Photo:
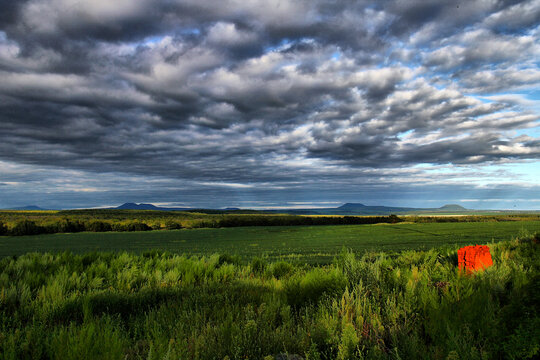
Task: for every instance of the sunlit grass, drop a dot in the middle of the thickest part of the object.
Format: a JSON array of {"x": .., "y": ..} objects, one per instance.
[
  {"x": 304, "y": 243},
  {"x": 374, "y": 305}
]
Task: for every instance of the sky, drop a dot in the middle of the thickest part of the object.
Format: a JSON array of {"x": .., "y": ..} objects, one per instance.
[{"x": 270, "y": 103}]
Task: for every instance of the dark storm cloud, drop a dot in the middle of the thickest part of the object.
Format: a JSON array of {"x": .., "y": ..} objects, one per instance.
[
  {"x": 54, "y": 21},
  {"x": 264, "y": 92}
]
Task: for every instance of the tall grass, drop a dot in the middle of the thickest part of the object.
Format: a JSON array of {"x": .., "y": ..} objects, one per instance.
[{"x": 158, "y": 305}]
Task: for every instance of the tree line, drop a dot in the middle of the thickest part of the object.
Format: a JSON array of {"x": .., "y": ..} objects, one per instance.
[
  {"x": 33, "y": 223},
  {"x": 72, "y": 225},
  {"x": 29, "y": 227}
]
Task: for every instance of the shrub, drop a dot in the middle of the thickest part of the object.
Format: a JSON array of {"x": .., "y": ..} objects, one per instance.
[
  {"x": 228, "y": 259},
  {"x": 172, "y": 225},
  {"x": 3, "y": 229},
  {"x": 394, "y": 219},
  {"x": 98, "y": 226},
  {"x": 69, "y": 226},
  {"x": 258, "y": 265},
  {"x": 99, "y": 339},
  {"x": 26, "y": 227},
  {"x": 138, "y": 226},
  {"x": 309, "y": 288},
  {"x": 131, "y": 226},
  {"x": 281, "y": 269}
]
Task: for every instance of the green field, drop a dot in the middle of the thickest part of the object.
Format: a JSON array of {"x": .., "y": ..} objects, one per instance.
[
  {"x": 384, "y": 291},
  {"x": 155, "y": 306},
  {"x": 308, "y": 243}
]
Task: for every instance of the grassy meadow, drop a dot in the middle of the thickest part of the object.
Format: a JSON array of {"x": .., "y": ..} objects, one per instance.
[
  {"x": 370, "y": 305},
  {"x": 298, "y": 243},
  {"x": 373, "y": 291}
]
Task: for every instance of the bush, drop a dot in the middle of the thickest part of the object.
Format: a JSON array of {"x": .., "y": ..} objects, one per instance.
[
  {"x": 258, "y": 265},
  {"x": 172, "y": 225},
  {"x": 99, "y": 339},
  {"x": 98, "y": 226},
  {"x": 26, "y": 227},
  {"x": 309, "y": 288},
  {"x": 281, "y": 269},
  {"x": 138, "y": 226},
  {"x": 3, "y": 229},
  {"x": 69, "y": 226},
  {"x": 228, "y": 259},
  {"x": 131, "y": 226}
]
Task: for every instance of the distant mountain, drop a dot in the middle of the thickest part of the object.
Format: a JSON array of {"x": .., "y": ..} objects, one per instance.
[
  {"x": 351, "y": 206},
  {"x": 452, "y": 207},
  {"x": 345, "y": 209},
  {"x": 361, "y": 209},
  {"x": 375, "y": 210},
  {"x": 142, "y": 206},
  {"x": 28, "y": 207},
  {"x": 133, "y": 206}
]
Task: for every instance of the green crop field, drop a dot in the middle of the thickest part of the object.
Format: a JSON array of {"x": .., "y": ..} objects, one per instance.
[{"x": 305, "y": 243}]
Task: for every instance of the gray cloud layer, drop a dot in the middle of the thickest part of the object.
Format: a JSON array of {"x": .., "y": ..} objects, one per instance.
[{"x": 266, "y": 92}]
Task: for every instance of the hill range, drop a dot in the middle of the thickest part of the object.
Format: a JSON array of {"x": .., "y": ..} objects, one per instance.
[{"x": 345, "y": 209}]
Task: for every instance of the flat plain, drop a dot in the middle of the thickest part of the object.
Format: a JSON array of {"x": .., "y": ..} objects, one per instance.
[
  {"x": 381, "y": 291},
  {"x": 312, "y": 244}
]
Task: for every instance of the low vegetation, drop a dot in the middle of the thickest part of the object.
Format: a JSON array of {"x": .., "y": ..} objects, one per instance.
[
  {"x": 313, "y": 244},
  {"x": 19, "y": 223},
  {"x": 158, "y": 305}
]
